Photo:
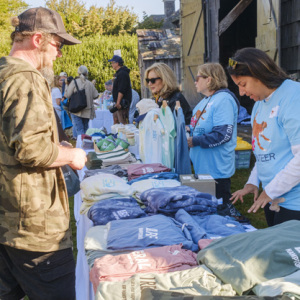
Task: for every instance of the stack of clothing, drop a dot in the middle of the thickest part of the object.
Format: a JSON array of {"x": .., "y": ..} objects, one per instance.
[
  {"x": 100, "y": 187},
  {"x": 111, "y": 209},
  {"x": 114, "y": 170},
  {"x": 169, "y": 200},
  {"x": 117, "y": 156},
  {"x": 135, "y": 171},
  {"x": 93, "y": 162},
  {"x": 153, "y": 260}
]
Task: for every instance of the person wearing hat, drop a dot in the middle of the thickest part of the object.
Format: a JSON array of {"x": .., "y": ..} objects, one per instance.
[
  {"x": 122, "y": 93},
  {"x": 81, "y": 119},
  {"x": 35, "y": 237}
]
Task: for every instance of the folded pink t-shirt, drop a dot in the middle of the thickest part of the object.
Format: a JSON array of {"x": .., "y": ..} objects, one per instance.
[{"x": 151, "y": 260}]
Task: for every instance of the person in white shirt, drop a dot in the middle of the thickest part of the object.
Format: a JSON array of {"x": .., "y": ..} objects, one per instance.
[{"x": 56, "y": 95}]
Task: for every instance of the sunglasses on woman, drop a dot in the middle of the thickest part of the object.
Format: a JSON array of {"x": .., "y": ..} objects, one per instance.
[{"x": 152, "y": 80}]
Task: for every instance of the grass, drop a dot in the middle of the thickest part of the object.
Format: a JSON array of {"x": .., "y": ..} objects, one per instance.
[{"x": 238, "y": 181}]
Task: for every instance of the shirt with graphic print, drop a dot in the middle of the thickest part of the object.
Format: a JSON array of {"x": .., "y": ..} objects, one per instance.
[
  {"x": 275, "y": 128},
  {"x": 219, "y": 160}
]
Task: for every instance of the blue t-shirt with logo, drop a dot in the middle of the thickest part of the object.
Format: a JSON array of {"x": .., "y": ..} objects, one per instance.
[
  {"x": 275, "y": 128},
  {"x": 218, "y": 161}
]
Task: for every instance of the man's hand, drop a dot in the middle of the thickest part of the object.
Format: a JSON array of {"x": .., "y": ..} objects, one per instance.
[
  {"x": 79, "y": 159},
  {"x": 118, "y": 106}
]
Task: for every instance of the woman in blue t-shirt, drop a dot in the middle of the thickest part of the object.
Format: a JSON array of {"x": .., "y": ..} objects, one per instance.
[
  {"x": 275, "y": 135},
  {"x": 214, "y": 128}
]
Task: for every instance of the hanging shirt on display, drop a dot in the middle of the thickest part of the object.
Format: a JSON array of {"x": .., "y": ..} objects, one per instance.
[
  {"x": 166, "y": 116},
  {"x": 154, "y": 132},
  {"x": 182, "y": 162}
]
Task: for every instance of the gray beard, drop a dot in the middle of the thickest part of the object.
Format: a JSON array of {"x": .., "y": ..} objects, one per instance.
[{"x": 48, "y": 74}]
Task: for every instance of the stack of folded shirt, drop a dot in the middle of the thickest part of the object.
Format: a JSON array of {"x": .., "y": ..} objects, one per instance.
[
  {"x": 114, "y": 170},
  {"x": 157, "y": 260},
  {"x": 93, "y": 162},
  {"x": 117, "y": 156},
  {"x": 169, "y": 200},
  {"x": 138, "y": 170},
  {"x": 100, "y": 187},
  {"x": 111, "y": 209}
]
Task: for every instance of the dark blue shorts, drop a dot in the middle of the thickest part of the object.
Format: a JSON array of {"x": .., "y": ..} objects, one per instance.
[{"x": 39, "y": 275}]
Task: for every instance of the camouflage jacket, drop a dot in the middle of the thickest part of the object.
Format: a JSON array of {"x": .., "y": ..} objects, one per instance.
[{"x": 34, "y": 208}]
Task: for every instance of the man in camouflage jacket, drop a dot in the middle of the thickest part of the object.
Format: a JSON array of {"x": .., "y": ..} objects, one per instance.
[{"x": 35, "y": 237}]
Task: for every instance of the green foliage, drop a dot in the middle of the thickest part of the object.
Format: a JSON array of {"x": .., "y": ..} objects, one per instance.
[
  {"x": 94, "y": 53},
  {"x": 149, "y": 23},
  {"x": 83, "y": 22},
  {"x": 8, "y": 9}
]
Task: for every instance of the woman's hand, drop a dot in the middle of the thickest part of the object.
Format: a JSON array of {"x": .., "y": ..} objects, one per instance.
[
  {"x": 248, "y": 189},
  {"x": 261, "y": 202},
  {"x": 187, "y": 128},
  {"x": 190, "y": 142}
]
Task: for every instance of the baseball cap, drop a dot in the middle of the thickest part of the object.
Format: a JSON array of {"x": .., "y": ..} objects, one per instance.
[
  {"x": 143, "y": 107},
  {"x": 47, "y": 20},
  {"x": 117, "y": 59},
  {"x": 63, "y": 74}
]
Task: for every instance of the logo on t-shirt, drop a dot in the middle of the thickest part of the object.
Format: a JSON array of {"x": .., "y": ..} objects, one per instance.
[
  {"x": 274, "y": 112},
  {"x": 257, "y": 132},
  {"x": 294, "y": 256}
]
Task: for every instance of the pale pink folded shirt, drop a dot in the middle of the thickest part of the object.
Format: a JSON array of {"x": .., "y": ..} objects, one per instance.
[{"x": 151, "y": 260}]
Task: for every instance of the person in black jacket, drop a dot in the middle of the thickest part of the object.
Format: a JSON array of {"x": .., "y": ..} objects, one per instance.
[
  {"x": 162, "y": 82},
  {"x": 122, "y": 93}
]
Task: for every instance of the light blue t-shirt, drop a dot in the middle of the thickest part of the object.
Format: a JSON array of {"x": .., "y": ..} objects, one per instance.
[
  {"x": 275, "y": 128},
  {"x": 217, "y": 161}
]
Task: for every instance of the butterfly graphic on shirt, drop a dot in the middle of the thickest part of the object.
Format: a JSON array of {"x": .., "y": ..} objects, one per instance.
[{"x": 257, "y": 132}]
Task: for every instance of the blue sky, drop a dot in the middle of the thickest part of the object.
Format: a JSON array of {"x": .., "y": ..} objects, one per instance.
[{"x": 149, "y": 6}]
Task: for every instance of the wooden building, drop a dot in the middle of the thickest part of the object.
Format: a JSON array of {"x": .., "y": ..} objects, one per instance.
[
  {"x": 158, "y": 45},
  {"x": 212, "y": 30}
]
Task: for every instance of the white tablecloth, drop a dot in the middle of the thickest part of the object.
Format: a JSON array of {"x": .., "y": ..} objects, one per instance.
[
  {"x": 103, "y": 118},
  {"x": 84, "y": 289}
]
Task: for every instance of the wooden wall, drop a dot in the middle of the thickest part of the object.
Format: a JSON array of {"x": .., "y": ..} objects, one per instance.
[
  {"x": 173, "y": 63},
  {"x": 193, "y": 45},
  {"x": 268, "y": 38},
  {"x": 290, "y": 36}
]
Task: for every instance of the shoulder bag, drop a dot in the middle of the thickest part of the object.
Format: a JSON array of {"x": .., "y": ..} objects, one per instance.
[{"x": 77, "y": 101}]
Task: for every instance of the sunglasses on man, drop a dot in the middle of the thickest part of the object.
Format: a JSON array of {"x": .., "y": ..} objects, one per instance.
[
  {"x": 58, "y": 45},
  {"x": 152, "y": 80}
]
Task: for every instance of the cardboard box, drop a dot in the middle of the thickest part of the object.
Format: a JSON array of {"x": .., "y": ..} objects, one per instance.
[{"x": 201, "y": 182}]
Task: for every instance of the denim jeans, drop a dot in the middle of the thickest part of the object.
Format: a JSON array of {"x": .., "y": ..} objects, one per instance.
[{"x": 81, "y": 125}]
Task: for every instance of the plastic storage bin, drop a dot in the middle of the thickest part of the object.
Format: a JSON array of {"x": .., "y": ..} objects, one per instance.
[{"x": 242, "y": 159}]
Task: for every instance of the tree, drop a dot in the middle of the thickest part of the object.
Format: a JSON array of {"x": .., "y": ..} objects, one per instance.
[
  {"x": 149, "y": 23},
  {"x": 81, "y": 22},
  {"x": 8, "y": 9}
]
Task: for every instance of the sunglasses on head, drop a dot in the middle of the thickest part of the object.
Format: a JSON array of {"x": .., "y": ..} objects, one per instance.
[
  {"x": 152, "y": 80},
  {"x": 232, "y": 63}
]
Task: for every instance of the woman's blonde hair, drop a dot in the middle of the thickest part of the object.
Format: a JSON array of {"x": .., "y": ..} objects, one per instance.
[
  {"x": 217, "y": 74},
  {"x": 169, "y": 80},
  {"x": 55, "y": 82}
]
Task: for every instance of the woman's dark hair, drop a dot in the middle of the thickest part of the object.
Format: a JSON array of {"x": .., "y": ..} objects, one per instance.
[{"x": 256, "y": 63}]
